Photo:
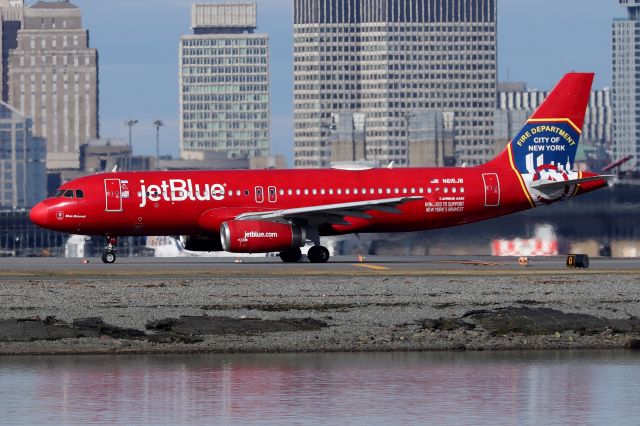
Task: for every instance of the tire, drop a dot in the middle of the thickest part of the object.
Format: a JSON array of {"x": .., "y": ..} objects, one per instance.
[
  {"x": 318, "y": 254},
  {"x": 108, "y": 257},
  {"x": 291, "y": 256}
]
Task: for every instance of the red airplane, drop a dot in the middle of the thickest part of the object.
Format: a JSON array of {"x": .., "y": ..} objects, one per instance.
[{"x": 256, "y": 211}]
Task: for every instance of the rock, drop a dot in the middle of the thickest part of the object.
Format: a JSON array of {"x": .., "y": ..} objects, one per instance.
[
  {"x": 622, "y": 326},
  {"x": 536, "y": 321},
  {"x": 32, "y": 329},
  {"x": 632, "y": 343},
  {"x": 205, "y": 325},
  {"x": 446, "y": 324},
  {"x": 164, "y": 337},
  {"x": 97, "y": 326}
]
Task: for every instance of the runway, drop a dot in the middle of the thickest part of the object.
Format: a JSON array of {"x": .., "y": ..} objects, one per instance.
[{"x": 200, "y": 267}]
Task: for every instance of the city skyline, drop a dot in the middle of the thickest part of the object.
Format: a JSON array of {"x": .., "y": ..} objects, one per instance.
[{"x": 139, "y": 69}]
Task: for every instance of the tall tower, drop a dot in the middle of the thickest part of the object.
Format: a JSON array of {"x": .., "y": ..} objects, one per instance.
[
  {"x": 224, "y": 83},
  {"x": 626, "y": 86},
  {"x": 397, "y": 62},
  {"x": 53, "y": 78}
]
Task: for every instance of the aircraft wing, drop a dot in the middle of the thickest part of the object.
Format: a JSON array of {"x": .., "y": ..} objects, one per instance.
[{"x": 331, "y": 213}]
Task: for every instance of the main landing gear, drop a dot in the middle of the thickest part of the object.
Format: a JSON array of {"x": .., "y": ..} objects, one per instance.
[
  {"x": 316, "y": 254},
  {"x": 291, "y": 255},
  {"x": 109, "y": 253}
]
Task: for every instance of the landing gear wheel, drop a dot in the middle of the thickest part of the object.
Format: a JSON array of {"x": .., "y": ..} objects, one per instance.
[
  {"x": 291, "y": 256},
  {"x": 108, "y": 256},
  {"x": 318, "y": 254}
]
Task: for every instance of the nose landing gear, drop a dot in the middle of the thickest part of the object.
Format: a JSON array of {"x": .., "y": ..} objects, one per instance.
[{"x": 109, "y": 253}]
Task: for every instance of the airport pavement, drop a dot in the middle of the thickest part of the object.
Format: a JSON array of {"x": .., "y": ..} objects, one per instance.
[{"x": 198, "y": 267}]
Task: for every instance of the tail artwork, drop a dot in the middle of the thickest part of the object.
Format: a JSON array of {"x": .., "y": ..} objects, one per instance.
[{"x": 543, "y": 152}]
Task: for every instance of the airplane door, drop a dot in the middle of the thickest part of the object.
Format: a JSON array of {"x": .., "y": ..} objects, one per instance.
[
  {"x": 491, "y": 189},
  {"x": 272, "y": 194},
  {"x": 113, "y": 195},
  {"x": 259, "y": 194}
]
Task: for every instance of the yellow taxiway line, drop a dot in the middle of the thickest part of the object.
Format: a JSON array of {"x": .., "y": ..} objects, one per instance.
[{"x": 376, "y": 267}]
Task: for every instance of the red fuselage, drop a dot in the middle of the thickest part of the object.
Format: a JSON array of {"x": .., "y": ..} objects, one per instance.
[{"x": 198, "y": 202}]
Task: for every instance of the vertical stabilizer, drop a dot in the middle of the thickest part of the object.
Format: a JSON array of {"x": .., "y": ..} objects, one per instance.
[{"x": 545, "y": 148}]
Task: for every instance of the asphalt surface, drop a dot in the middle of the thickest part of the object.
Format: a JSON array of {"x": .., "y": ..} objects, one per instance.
[{"x": 201, "y": 267}]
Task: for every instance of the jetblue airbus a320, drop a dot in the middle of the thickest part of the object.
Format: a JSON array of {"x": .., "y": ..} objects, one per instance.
[{"x": 280, "y": 210}]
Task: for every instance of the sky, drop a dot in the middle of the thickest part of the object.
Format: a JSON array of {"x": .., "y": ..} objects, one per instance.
[{"x": 137, "y": 42}]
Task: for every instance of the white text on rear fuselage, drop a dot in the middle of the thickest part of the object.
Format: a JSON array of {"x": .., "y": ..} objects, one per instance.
[{"x": 180, "y": 190}]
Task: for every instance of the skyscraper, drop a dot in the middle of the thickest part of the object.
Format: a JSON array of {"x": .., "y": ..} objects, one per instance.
[
  {"x": 224, "y": 83},
  {"x": 11, "y": 18},
  {"x": 23, "y": 180},
  {"x": 393, "y": 61},
  {"x": 626, "y": 86},
  {"x": 53, "y": 78}
]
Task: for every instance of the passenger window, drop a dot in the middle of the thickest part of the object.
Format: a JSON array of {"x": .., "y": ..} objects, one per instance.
[
  {"x": 397, "y": 191},
  {"x": 282, "y": 192},
  {"x": 306, "y": 192},
  {"x": 289, "y": 192},
  {"x": 314, "y": 192},
  {"x": 346, "y": 191},
  {"x": 322, "y": 192},
  {"x": 297, "y": 192},
  {"x": 339, "y": 191},
  {"x": 68, "y": 193},
  {"x": 79, "y": 194}
]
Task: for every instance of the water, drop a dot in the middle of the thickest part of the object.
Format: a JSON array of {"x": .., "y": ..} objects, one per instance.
[{"x": 585, "y": 387}]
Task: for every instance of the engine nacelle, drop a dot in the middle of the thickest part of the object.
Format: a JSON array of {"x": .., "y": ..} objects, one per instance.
[
  {"x": 199, "y": 243},
  {"x": 257, "y": 236}
]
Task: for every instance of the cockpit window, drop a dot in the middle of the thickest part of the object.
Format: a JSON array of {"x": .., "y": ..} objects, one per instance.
[
  {"x": 68, "y": 193},
  {"x": 58, "y": 193},
  {"x": 79, "y": 193}
]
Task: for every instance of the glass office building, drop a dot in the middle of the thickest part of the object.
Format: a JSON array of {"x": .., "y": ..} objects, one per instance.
[
  {"x": 224, "y": 84},
  {"x": 626, "y": 86},
  {"x": 394, "y": 61},
  {"x": 23, "y": 180}
]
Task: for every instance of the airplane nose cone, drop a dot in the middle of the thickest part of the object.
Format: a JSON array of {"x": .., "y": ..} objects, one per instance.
[{"x": 38, "y": 214}]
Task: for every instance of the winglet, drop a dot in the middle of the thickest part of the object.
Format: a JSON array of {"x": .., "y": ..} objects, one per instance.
[{"x": 115, "y": 169}]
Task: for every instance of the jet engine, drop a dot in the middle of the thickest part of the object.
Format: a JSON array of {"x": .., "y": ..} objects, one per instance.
[{"x": 257, "y": 236}]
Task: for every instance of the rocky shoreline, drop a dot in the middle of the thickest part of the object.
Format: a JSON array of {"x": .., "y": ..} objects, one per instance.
[{"x": 296, "y": 314}]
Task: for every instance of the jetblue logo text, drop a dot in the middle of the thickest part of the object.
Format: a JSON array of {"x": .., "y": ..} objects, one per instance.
[{"x": 177, "y": 190}]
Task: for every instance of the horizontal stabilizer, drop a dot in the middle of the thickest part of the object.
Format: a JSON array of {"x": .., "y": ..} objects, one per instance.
[{"x": 552, "y": 185}]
